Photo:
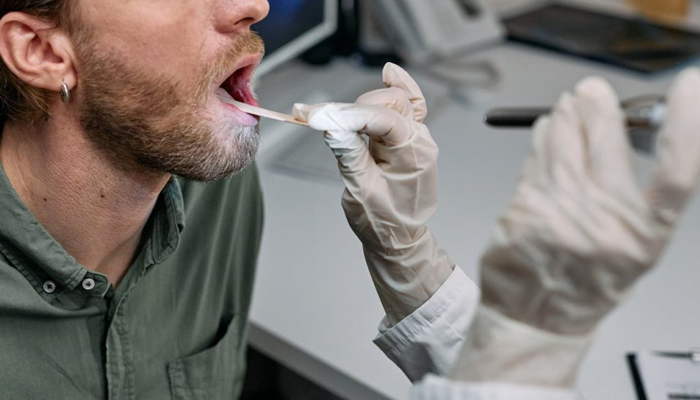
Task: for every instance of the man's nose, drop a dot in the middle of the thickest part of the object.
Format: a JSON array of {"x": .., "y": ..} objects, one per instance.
[{"x": 238, "y": 15}]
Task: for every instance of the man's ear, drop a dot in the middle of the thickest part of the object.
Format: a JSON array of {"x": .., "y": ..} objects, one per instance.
[{"x": 37, "y": 52}]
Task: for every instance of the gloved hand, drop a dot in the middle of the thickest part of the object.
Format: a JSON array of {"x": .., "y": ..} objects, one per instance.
[
  {"x": 579, "y": 234},
  {"x": 391, "y": 187}
]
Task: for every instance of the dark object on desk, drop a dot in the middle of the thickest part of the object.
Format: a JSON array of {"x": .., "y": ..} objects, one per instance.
[
  {"x": 641, "y": 112},
  {"x": 632, "y": 43},
  {"x": 514, "y": 117},
  {"x": 660, "y": 375},
  {"x": 636, "y": 376},
  {"x": 645, "y": 114}
]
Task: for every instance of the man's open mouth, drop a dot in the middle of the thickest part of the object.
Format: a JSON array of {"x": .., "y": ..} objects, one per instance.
[{"x": 239, "y": 85}]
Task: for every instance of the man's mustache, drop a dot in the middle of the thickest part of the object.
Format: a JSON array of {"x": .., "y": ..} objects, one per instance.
[{"x": 244, "y": 45}]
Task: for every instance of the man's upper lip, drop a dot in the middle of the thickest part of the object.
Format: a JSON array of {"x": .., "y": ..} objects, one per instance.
[{"x": 247, "y": 61}]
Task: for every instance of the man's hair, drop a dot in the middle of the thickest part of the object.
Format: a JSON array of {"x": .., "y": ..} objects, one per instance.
[{"x": 18, "y": 100}]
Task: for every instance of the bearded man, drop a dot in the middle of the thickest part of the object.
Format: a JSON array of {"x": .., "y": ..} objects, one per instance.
[{"x": 116, "y": 278}]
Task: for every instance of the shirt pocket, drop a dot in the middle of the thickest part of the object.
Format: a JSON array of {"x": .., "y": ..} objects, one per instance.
[{"x": 215, "y": 373}]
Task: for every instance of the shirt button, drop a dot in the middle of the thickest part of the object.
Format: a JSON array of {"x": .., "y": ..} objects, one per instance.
[
  {"x": 89, "y": 284},
  {"x": 49, "y": 287}
]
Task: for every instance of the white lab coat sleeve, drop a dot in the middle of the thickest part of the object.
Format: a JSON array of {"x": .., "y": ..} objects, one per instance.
[
  {"x": 429, "y": 340},
  {"x": 436, "y": 388}
]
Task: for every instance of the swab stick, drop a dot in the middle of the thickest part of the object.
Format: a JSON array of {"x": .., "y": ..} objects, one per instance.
[{"x": 261, "y": 112}]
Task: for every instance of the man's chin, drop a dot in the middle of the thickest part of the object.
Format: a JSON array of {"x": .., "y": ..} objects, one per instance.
[
  {"x": 228, "y": 158},
  {"x": 212, "y": 175}
]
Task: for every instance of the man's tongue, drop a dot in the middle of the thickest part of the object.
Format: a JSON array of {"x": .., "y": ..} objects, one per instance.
[{"x": 224, "y": 96}]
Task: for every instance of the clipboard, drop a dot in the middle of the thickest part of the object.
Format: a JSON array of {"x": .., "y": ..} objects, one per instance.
[{"x": 666, "y": 375}]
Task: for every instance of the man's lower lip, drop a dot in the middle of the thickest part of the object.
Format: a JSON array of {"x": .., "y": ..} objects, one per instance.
[{"x": 251, "y": 120}]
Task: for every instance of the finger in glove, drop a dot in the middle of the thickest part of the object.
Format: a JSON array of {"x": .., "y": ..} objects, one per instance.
[
  {"x": 397, "y": 77},
  {"x": 675, "y": 179}
]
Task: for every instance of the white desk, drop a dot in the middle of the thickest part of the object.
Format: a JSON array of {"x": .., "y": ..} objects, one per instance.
[{"x": 315, "y": 308}]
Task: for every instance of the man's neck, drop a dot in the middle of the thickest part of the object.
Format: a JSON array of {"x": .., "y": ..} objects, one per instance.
[{"x": 94, "y": 210}]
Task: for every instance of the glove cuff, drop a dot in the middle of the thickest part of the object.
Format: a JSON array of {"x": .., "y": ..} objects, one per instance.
[
  {"x": 434, "y": 387},
  {"x": 499, "y": 349},
  {"x": 408, "y": 278}
]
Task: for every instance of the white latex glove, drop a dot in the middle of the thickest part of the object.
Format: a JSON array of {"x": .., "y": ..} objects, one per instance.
[
  {"x": 391, "y": 187},
  {"x": 578, "y": 235}
]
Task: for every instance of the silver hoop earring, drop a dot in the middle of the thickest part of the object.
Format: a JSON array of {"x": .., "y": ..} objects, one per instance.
[{"x": 65, "y": 93}]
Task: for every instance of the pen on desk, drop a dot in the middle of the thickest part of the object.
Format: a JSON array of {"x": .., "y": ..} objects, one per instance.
[
  {"x": 693, "y": 355},
  {"x": 641, "y": 112}
]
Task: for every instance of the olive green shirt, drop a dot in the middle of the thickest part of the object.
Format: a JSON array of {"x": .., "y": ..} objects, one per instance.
[{"x": 173, "y": 329}]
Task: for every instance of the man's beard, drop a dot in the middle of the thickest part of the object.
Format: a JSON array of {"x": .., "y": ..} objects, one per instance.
[{"x": 144, "y": 122}]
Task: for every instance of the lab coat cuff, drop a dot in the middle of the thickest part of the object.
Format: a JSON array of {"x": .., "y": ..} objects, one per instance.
[
  {"x": 428, "y": 340},
  {"x": 436, "y": 388}
]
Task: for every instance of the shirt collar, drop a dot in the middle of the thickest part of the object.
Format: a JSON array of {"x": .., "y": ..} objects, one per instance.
[
  {"x": 27, "y": 241},
  {"x": 168, "y": 223}
]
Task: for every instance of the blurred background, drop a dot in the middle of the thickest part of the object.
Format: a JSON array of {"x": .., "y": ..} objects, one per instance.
[{"x": 315, "y": 311}]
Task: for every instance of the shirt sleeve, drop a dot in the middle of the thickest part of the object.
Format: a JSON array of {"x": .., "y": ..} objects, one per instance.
[
  {"x": 429, "y": 340},
  {"x": 436, "y": 388}
]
